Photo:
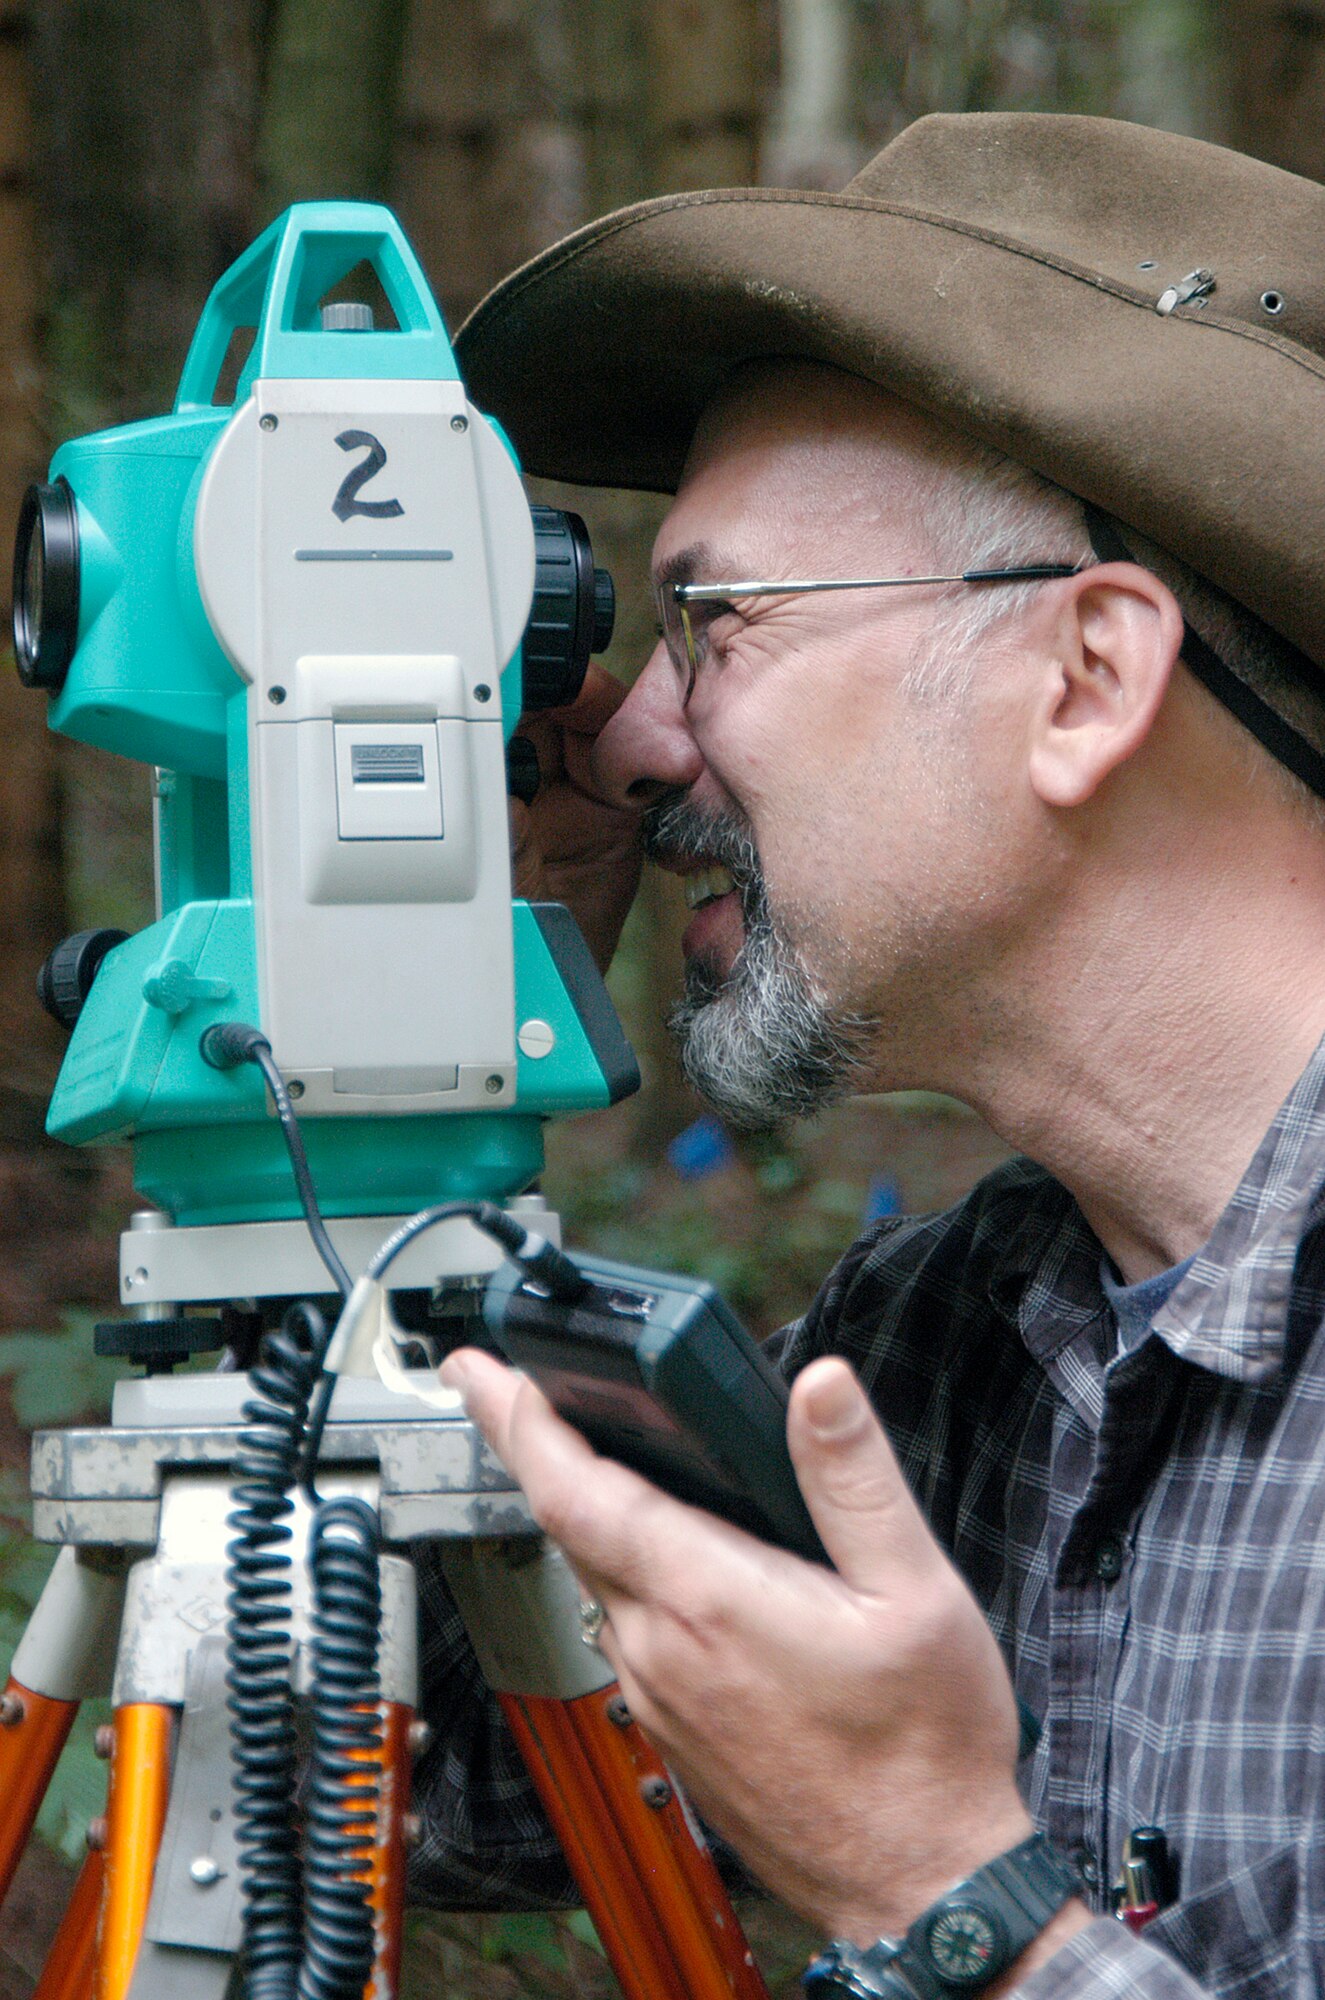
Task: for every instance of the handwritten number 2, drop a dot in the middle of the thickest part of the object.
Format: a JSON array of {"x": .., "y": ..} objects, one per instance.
[{"x": 347, "y": 501}]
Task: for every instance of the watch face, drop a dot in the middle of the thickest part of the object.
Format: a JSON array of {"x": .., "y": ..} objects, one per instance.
[{"x": 966, "y": 1944}]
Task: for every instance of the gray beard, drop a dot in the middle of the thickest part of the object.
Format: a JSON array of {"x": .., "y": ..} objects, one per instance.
[{"x": 758, "y": 1043}]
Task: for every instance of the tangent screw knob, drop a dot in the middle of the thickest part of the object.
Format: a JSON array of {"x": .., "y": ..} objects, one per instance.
[{"x": 65, "y": 980}]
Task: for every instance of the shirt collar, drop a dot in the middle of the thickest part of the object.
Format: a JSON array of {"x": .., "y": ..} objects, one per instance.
[{"x": 1229, "y": 1313}]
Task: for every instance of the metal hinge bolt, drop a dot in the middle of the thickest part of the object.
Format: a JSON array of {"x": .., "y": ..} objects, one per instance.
[{"x": 1193, "y": 290}]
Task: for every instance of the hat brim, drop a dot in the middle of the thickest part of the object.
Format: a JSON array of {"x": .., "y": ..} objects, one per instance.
[{"x": 1198, "y": 429}]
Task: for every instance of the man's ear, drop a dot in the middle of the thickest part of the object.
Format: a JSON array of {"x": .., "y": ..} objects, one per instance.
[{"x": 1116, "y": 641}]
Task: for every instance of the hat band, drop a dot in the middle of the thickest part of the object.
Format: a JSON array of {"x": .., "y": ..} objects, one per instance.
[{"x": 1265, "y": 723}]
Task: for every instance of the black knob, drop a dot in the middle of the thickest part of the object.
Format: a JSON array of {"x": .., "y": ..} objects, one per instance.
[
  {"x": 572, "y": 612},
  {"x": 522, "y": 772},
  {"x": 65, "y": 980},
  {"x": 604, "y": 610}
]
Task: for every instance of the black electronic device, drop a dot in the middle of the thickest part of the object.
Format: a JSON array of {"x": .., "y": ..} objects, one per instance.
[{"x": 657, "y": 1372}]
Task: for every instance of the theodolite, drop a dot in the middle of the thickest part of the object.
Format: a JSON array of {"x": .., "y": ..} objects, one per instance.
[{"x": 315, "y": 604}]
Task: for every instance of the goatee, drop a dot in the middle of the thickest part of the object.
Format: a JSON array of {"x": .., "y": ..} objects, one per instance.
[{"x": 759, "y": 1043}]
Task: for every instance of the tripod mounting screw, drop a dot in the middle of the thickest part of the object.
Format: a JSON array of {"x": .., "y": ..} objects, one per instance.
[
  {"x": 97, "y": 1834},
  {"x": 104, "y": 1740},
  {"x": 13, "y": 1709},
  {"x": 656, "y": 1793}
]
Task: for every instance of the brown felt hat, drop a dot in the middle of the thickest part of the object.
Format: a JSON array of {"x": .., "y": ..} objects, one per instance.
[{"x": 1025, "y": 278}]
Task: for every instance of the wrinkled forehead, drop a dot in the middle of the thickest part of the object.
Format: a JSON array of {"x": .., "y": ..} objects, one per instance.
[{"x": 793, "y": 452}]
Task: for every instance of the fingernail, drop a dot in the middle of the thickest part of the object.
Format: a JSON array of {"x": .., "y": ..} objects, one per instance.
[
  {"x": 832, "y": 1403},
  {"x": 453, "y": 1374}
]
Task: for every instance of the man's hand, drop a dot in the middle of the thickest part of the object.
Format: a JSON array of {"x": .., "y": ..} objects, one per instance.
[
  {"x": 570, "y": 846},
  {"x": 851, "y": 1732}
]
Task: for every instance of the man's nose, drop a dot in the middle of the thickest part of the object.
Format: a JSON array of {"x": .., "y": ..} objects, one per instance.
[{"x": 646, "y": 748}]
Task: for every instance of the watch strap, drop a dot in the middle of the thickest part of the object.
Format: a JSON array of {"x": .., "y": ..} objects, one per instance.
[{"x": 961, "y": 1943}]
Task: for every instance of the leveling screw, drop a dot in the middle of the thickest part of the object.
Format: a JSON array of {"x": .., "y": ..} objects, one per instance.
[
  {"x": 13, "y": 1708},
  {"x": 656, "y": 1793}
]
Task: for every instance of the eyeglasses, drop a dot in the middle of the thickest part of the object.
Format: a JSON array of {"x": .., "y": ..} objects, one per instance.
[{"x": 685, "y": 632}]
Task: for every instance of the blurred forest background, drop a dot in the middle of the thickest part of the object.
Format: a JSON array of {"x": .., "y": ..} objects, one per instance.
[{"x": 142, "y": 144}]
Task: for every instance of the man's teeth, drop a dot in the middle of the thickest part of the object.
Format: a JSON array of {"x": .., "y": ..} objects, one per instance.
[{"x": 706, "y": 884}]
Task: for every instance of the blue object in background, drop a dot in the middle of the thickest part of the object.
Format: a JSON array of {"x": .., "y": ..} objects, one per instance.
[
  {"x": 884, "y": 1199},
  {"x": 704, "y": 1148}
]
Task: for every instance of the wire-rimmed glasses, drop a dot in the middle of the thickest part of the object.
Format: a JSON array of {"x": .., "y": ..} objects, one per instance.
[{"x": 684, "y": 632}]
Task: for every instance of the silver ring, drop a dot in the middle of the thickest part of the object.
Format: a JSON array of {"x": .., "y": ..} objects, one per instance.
[{"x": 592, "y": 1620}]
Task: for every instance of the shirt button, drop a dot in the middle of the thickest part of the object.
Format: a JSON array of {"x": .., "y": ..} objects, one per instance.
[
  {"x": 1087, "y": 1866},
  {"x": 1109, "y": 1560}
]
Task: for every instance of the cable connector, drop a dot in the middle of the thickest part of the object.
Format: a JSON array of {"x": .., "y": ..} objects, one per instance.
[
  {"x": 558, "y": 1274},
  {"x": 227, "y": 1044}
]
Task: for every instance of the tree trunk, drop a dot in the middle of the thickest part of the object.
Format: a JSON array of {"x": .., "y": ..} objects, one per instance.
[
  {"x": 706, "y": 92},
  {"x": 146, "y": 114},
  {"x": 487, "y": 171},
  {"x": 31, "y": 886},
  {"x": 1272, "y": 79},
  {"x": 328, "y": 117}
]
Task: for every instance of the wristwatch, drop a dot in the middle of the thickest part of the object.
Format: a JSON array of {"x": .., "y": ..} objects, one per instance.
[{"x": 963, "y": 1942}]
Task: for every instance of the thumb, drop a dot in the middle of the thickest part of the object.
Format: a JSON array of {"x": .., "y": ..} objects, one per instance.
[{"x": 853, "y": 1486}]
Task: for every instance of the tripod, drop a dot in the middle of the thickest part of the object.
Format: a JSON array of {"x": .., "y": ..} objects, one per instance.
[{"x": 136, "y": 1605}]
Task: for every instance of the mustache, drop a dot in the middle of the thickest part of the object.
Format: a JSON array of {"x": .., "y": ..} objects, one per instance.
[{"x": 675, "y": 829}]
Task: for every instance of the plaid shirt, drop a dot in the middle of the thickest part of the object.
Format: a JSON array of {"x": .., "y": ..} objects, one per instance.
[{"x": 1146, "y": 1535}]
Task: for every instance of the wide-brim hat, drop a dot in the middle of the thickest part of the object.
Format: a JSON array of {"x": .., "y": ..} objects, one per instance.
[{"x": 1138, "y": 316}]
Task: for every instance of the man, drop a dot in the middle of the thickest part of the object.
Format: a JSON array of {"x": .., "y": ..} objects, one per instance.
[{"x": 992, "y": 836}]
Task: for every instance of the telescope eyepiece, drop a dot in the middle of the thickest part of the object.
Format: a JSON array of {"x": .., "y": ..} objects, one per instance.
[
  {"x": 573, "y": 612},
  {"x": 46, "y": 585}
]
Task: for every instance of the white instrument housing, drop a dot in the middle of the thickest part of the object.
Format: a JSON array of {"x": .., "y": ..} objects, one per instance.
[{"x": 365, "y": 554}]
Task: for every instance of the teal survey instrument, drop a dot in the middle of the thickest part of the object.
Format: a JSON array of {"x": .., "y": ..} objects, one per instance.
[
  {"x": 304, "y": 608},
  {"x": 315, "y": 604}
]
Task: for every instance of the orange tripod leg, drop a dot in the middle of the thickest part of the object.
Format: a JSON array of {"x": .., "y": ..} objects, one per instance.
[
  {"x": 655, "y": 1896},
  {"x": 71, "y": 1964},
  {"x": 135, "y": 1816},
  {"x": 30, "y": 1748},
  {"x": 387, "y": 1890}
]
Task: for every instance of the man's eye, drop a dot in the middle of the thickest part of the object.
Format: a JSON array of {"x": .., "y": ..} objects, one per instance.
[{"x": 710, "y": 613}]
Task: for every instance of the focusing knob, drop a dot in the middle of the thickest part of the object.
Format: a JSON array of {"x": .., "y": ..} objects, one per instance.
[
  {"x": 65, "y": 980},
  {"x": 604, "y": 610},
  {"x": 573, "y": 610},
  {"x": 522, "y": 772}
]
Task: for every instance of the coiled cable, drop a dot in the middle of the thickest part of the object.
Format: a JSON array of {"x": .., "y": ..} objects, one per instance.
[
  {"x": 260, "y": 1696},
  {"x": 340, "y": 1816}
]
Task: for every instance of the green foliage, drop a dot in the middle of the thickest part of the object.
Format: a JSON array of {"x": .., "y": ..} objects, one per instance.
[
  {"x": 56, "y": 1377},
  {"x": 77, "y": 1791}
]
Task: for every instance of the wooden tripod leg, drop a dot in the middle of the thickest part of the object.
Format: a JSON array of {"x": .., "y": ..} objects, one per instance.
[
  {"x": 71, "y": 1963},
  {"x": 654, "y": 1894},
  {"x": 135, "y": 1816},
  {"x": 30, "y": 1746}
]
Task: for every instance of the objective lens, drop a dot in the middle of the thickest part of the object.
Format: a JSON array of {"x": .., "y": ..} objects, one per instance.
[{"x": 46, "y": 585}]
